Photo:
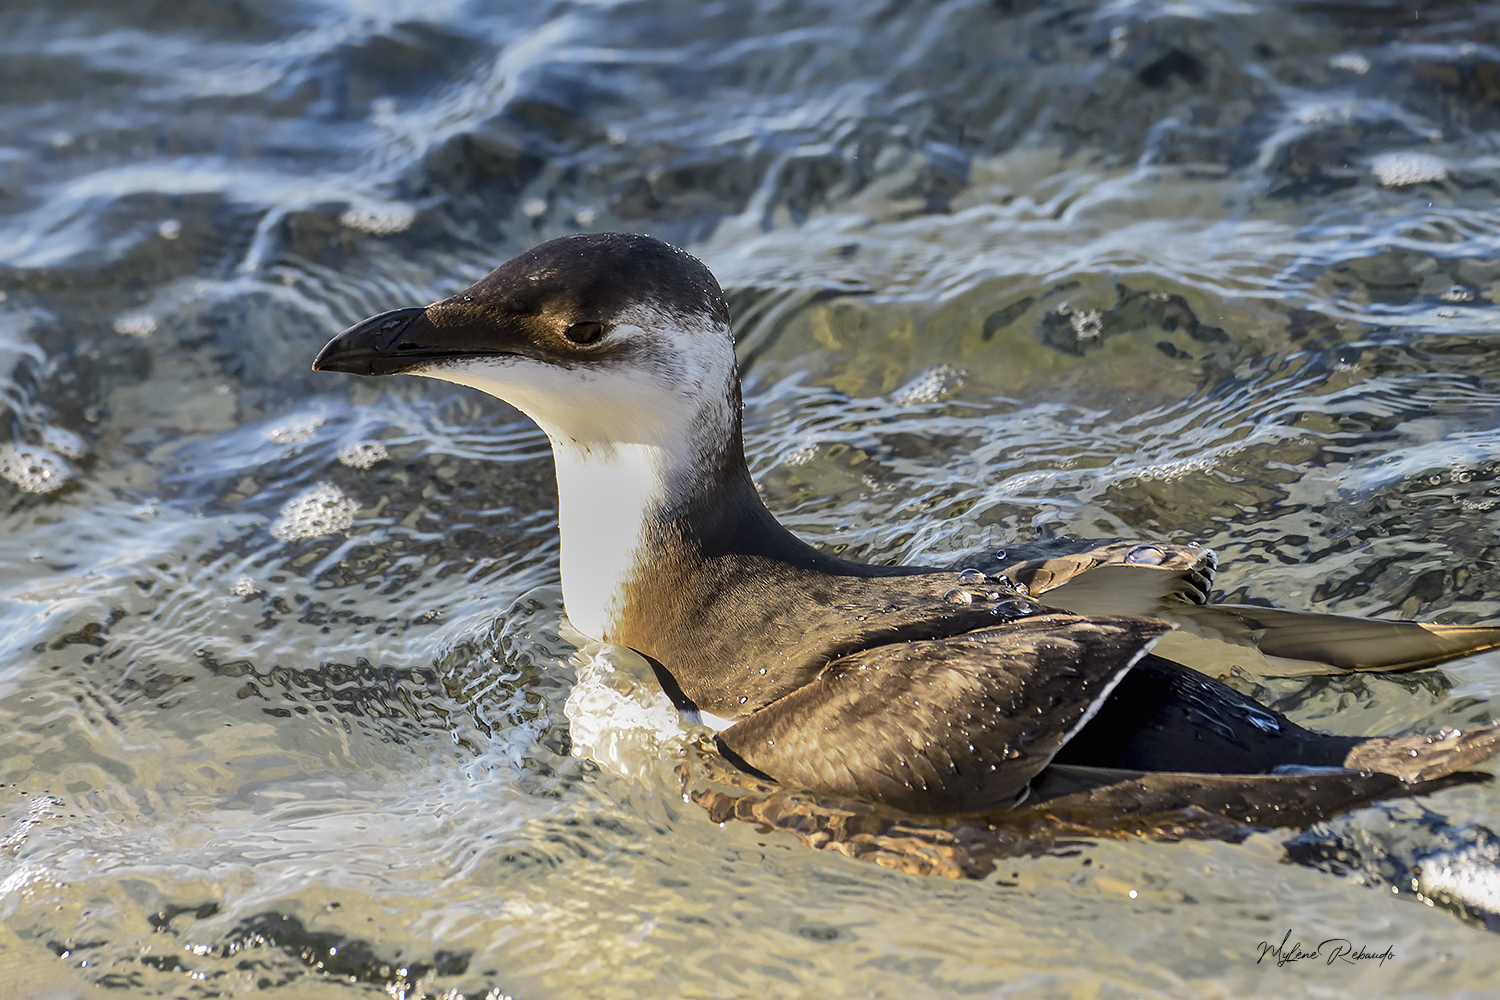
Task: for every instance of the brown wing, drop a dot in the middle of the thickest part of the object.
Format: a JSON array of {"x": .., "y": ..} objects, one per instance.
[{"x": 943, "y": 726}]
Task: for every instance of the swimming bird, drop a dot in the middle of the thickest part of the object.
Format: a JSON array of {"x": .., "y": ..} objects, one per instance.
[{"x": 924, "y": 689}]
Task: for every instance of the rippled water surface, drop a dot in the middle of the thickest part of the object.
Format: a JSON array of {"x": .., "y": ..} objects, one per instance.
[{"x": 287, "y": 703}]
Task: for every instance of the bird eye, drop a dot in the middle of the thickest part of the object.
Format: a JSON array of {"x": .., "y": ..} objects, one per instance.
[{"x": 584, "y": 333}]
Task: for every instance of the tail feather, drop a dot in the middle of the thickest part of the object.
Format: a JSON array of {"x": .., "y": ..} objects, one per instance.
[
  {"x": 1276, "y": 643},
  {"x": 1160, "y": 580}
]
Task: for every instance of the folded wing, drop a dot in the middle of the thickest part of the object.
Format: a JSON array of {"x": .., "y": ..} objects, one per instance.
[{"x": 947, "y": 725}]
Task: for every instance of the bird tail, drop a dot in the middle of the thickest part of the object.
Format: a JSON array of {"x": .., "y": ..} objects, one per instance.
[{"x": 1214, "y": 638}]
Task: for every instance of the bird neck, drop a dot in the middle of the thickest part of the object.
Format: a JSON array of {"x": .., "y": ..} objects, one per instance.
[
  {"x": 610, "y": 500},
  {"x": 639, "y": 519}
]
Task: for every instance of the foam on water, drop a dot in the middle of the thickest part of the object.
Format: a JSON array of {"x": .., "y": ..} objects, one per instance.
[
  {"x": 322, "y": 510},
  {"x": 34, "y": 470}
]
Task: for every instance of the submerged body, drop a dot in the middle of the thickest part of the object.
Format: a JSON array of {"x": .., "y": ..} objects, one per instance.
[{"x": 911, "y": 687}]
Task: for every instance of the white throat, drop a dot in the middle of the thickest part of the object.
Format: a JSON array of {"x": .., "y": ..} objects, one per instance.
[
  {"x": 606, "y": 500},
  {"x": 623, "y": 439}
]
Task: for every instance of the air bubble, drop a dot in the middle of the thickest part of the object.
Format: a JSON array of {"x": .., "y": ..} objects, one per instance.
[
  {"x": 295, "y": 430},
  {"x": 379, "y": 220},
  {"x": 1403, "y": 169},
  {"x": 1351, "y": 61},
  {"x": 956, "y": 596},
  {"x": 322, "y": 510},
  {"x": 32, "y": 469},
  {"x": 971, "y": 578},
  {"x": 140, "y": 325},
  {"x": 1145, "y": 555},
  {"x": 363, "y": 454},
  {"x": 64, "y": 442},
  {"x": 1458, "y": 293}
]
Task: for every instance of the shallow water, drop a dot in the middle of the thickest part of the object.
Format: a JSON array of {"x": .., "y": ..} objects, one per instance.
[{"x": 287, "y": 705}]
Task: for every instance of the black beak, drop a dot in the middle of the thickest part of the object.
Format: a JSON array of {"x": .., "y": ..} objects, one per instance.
[{"x": 381, "y": 345}]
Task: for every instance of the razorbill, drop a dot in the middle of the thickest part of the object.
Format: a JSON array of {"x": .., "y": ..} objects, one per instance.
[{"x": 923, "y": 689}]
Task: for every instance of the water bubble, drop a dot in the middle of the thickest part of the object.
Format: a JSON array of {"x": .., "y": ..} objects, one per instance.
[
  {"x": 295, "y": 430},
  {"x": 322, "y": 510},
  {"x": 931, "y": 386},
  {"x": 65, "y": 443},
  {"x": 1086, "y": 324},
  {"x": 135, "y": 324},
  {"x": 1458, "y": 293},
  {"x": 800, "y": 456},
  {"x": 1000, "y": 555},
  {"x": 1351, "y": 61},
  {"x": 956, "y": 596},
  {"x": 32, "y": 469},
  {"x": 379, "y": 220},
  {"x": 170, "y": 229},
  {"x": 363, "y": 454},
  {"x": 971, "y": 577},
  {"x": 1012, "y": 609},
  {"x": 244, "y": 587},
  {"x": 1145, "y": 555},
  {"x": 1403, "y": 169},
  {"x": 1021, "y": 588},
  {"x": 534, "y": 208}
]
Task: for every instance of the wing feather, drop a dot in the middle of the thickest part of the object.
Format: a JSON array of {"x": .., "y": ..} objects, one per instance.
[{"x": 948, "y": 725}]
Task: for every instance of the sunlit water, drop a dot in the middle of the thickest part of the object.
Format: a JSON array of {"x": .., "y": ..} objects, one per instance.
[{"x": 287, "y": 703}]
